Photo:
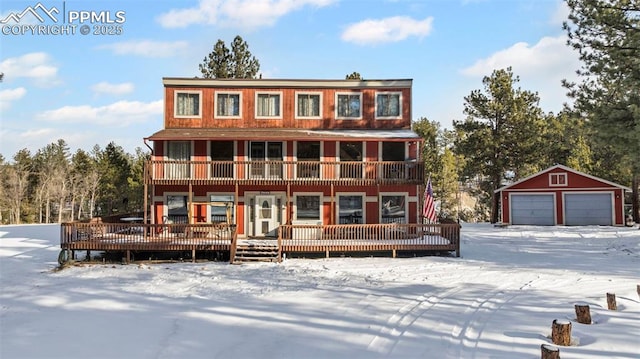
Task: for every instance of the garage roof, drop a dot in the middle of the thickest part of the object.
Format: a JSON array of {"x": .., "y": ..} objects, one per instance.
[{"x": 565, "y": 168}]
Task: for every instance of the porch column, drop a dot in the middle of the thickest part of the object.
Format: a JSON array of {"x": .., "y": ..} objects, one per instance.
[
  {"x": 333, "y": 202},
  {"x": 289, "y": 219}
]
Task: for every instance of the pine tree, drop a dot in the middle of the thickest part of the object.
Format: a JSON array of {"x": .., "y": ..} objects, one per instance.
[
  {"x": 235, "y": 63},
  {"x": 499, "y": 137},
  {"x": 606, "y": 34}
]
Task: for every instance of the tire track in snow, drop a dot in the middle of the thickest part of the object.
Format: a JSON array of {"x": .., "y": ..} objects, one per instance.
[
  {"x": 467, "y": 336},
  {"x": 397, "y": 325}
]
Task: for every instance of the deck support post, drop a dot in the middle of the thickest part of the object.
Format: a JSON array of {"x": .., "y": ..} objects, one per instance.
[
  {"x": 326, "y": 253},
  {"x": 193, "y": 255},
  {"x": 145, "y": 229},
  {"x": 127, "y": 258},
  {"x": 88, "y": 257},
  {"x": 393, "y": 253}
]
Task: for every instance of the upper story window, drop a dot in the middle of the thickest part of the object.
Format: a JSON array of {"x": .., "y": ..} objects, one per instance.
[
  {"x": 557, "y": 179},
  {"x": 388, "y": 105},
  {"x": 349, "y": 106},
  {"x": 188, "y": 104},
  {"x": 308, "y": 105},
  {"x": 228, "y": 104},
  {"x": 268, "y": 105}
]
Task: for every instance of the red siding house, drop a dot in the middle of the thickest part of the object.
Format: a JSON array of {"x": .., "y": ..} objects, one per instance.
[
  {"x": 258, "y": 168},
  {"x": 561, "y": 195},
  {"x": 260, "y": 153}
]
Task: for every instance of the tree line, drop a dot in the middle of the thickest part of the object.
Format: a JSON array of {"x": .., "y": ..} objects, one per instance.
[
  {"x": 504, "y": 137},
  {"x": 55, "y": 185}
]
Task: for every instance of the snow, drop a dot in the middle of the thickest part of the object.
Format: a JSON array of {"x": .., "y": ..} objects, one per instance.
[{"x": 497, "y": 301}]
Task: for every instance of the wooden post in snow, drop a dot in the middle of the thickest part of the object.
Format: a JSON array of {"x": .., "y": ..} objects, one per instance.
[
  {"x": 583, "y": 314},
  {"x": 611, "y": 301},
  {"x": 549, "y": 352},
  {"x": 561, "y": 332},
  {"x": 638, "y": 290}
]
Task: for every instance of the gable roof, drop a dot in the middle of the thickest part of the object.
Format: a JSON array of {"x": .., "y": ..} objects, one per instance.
[{"x": 565, "y": 168}]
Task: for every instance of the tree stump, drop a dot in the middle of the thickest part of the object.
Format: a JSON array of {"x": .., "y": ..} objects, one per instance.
[
  {"x": 583, "y": 313},
  {"x": 611, "y": 301},
  {"x": 561, "y": 332},
  {"x": 549, "y": 352}
]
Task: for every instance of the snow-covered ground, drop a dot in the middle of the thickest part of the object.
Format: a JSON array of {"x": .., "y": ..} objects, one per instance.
[{"x": 497, "y": 301}]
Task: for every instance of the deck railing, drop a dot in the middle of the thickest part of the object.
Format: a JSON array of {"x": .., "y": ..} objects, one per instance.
[
  {"x": 132, "y": 236},
  {"x": 170, "y": 171},
  {"x": 291, "y": 238},
  {"x": 369, "y": 237}
]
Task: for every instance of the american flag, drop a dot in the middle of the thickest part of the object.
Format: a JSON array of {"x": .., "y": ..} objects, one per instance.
[{"x": 429, "y": 208}]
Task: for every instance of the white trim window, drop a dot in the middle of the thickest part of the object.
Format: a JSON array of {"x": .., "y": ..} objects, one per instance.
[
  {"x": 222, "y": 208},
  {"x": 176, "y": 208},
  {"x": 308, "y": 207},
  {"x": 351, "y": 208},
  {"x": 349, "y": 106},
  {"x": 228, "y": 104},
  {"x": 558, "y": 179},
  {"x": 308, "y": 105},
  {"x": 188, "y": 104},
  {"x": 268, "y": 105},
  {"x": 393, "y": 208},
  {"x": 388, "y": 105}
]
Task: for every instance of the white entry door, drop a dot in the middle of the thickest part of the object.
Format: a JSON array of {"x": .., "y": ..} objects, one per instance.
[{"x": 266, "y": 217}]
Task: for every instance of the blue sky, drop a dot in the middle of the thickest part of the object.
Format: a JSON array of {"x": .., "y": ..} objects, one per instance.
[{"x": 93, "y": 89}]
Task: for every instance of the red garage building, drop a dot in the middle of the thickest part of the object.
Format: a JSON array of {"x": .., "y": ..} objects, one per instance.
[{"x": 561, "y": 195}]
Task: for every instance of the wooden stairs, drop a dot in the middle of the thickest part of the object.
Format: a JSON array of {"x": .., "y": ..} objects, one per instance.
[{"x": 256, "y": 250}]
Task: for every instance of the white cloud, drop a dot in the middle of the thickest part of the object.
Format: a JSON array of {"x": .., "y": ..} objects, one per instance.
[
  {"x": 541, "y": 68},
  {"x": 391, "y": 29},
  {"x": 560, "y": 14},
  {"x": 112, "y": 89},
  {"x": 35, "y": 65},
  {"x": 121, "y": 113},
  {"x": 549, "y": 55},
  {"x": 10, "y": 95},
  {"x": 237, "y": 13},
  {"x": 146, "y": 48}
]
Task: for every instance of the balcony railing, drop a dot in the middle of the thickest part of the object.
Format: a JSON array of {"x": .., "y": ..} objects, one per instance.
[{"x": 169, "y": 171}]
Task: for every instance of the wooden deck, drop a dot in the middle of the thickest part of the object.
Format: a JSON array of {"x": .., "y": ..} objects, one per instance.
[{"x": 292, "y": 239}]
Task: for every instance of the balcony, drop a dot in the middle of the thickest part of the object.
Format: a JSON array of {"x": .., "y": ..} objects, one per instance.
[{"x": 168, "y": 172}]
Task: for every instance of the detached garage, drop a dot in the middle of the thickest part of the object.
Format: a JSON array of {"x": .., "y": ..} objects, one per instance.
[{"x": 561, "y": 195}]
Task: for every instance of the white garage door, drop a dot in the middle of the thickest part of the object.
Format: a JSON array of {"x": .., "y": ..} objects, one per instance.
[
  {"x": 535, "y": 209},
  {"x": 583, "y": 209}
]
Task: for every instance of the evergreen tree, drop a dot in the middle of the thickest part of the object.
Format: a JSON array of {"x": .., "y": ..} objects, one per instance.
[
  {"x": 606, "y": 34},
  {"x": 135, "y": 181},
  {"x": 114, "y": 166},
  {"x": 353, "y": 76},
  {"x": 499, "y": 137},
  {"x": 235, "y": 63},
  {"x": 441, "y": 165}
]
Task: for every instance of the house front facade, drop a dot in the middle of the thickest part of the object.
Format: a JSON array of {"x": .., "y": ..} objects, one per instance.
[
  {"x": 260, "y": 153},
  {"x": 561, "y": 195}
]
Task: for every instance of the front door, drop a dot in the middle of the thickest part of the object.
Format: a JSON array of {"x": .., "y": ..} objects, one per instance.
[{"x": 266, "y": 218}]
